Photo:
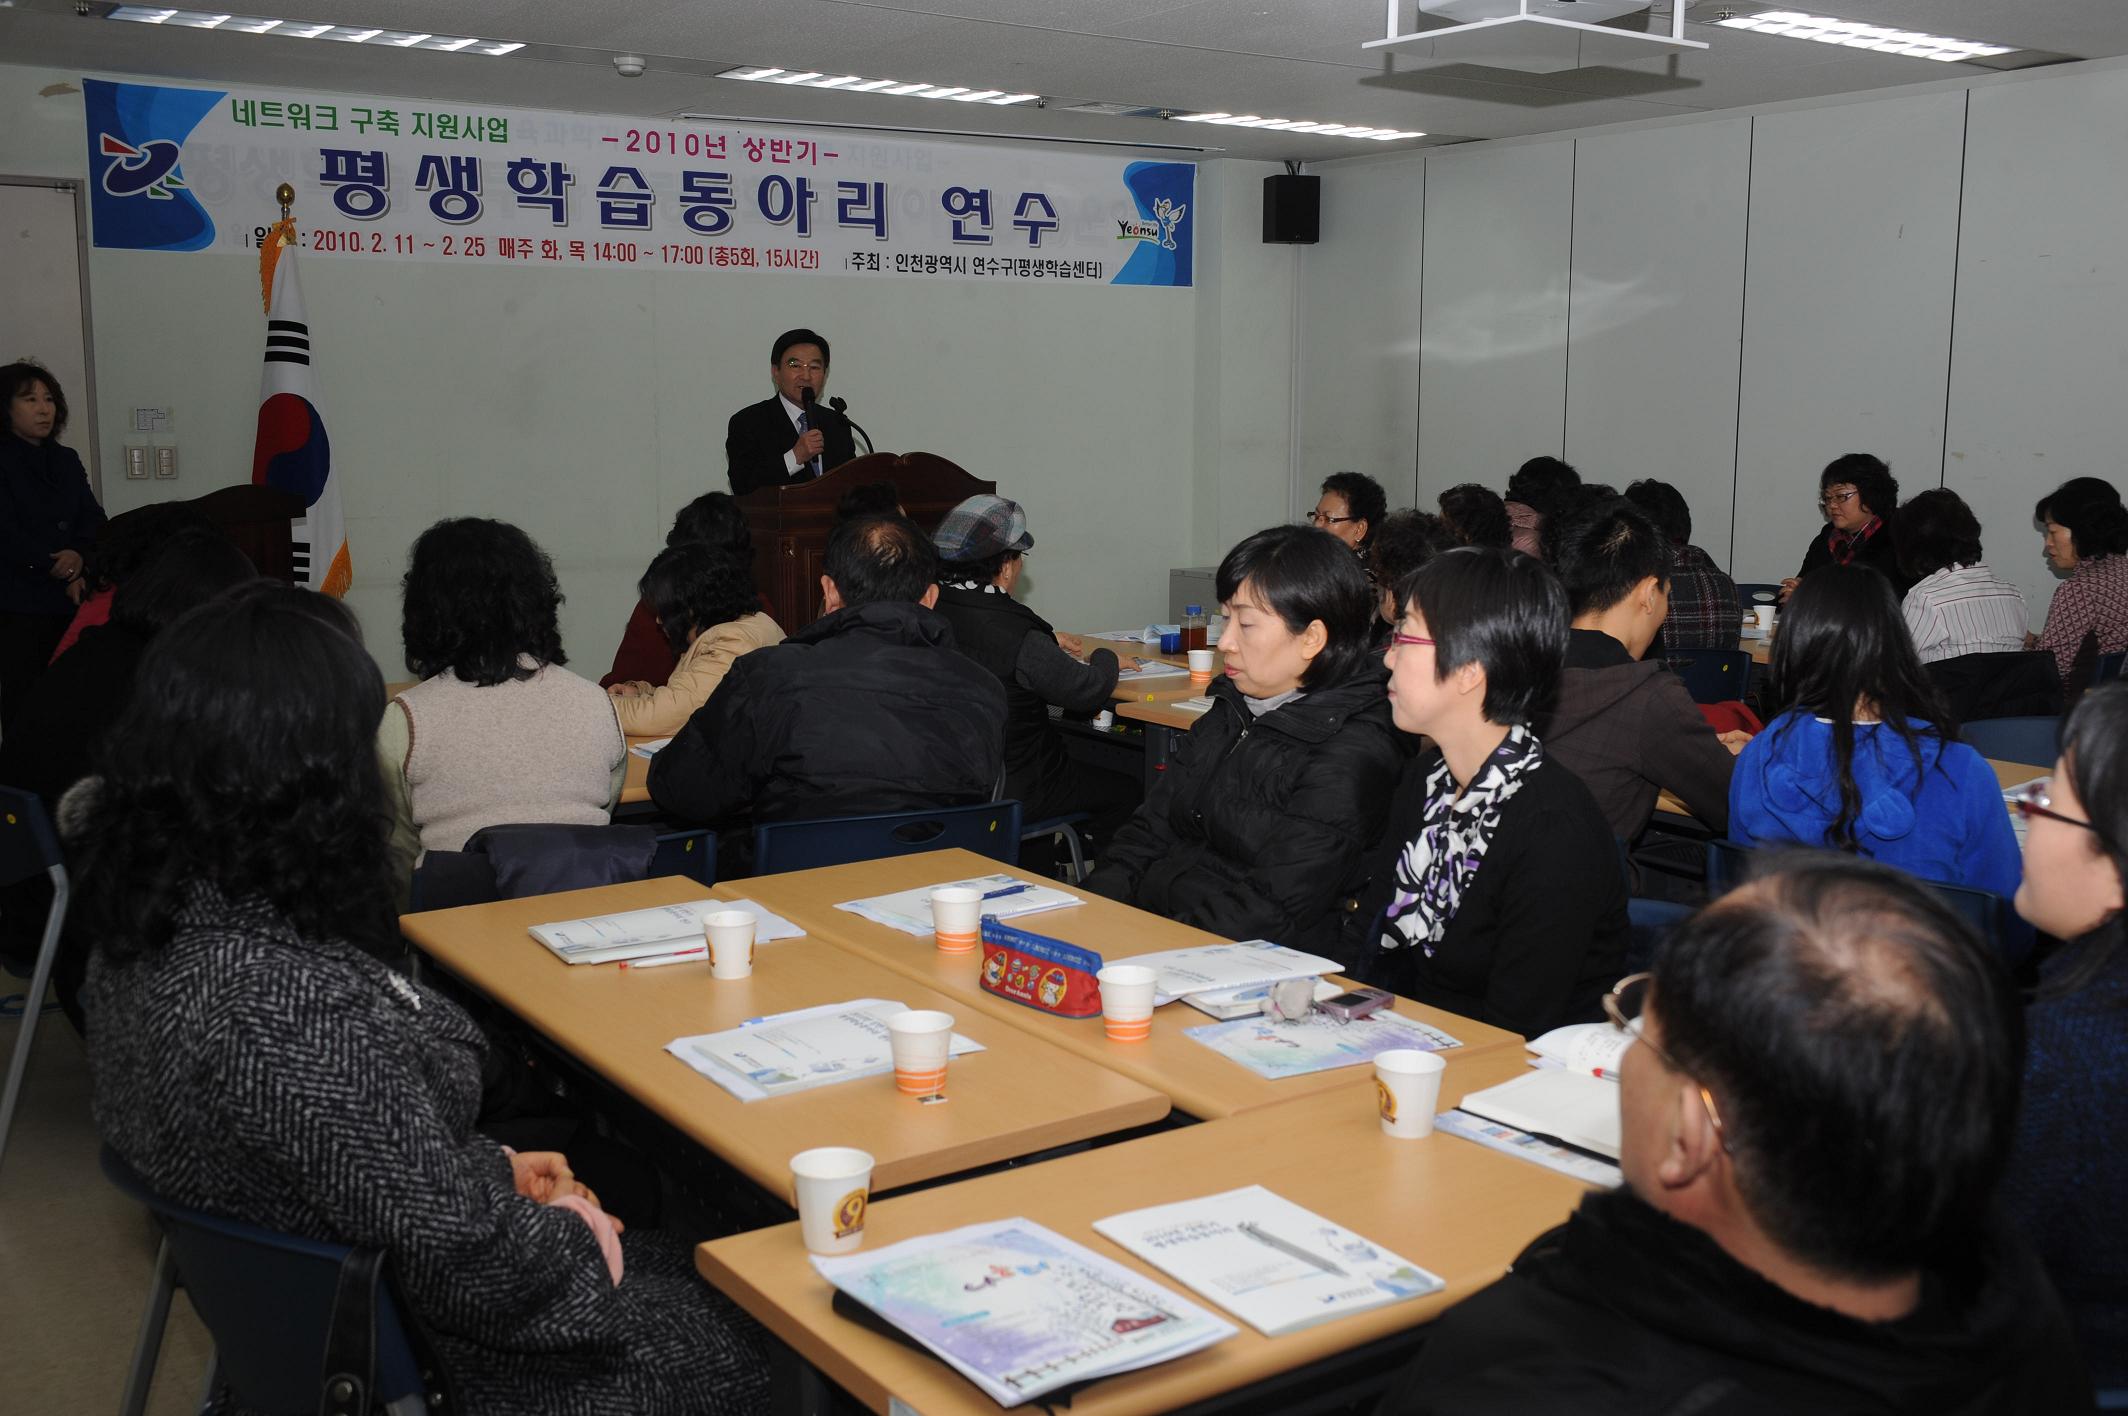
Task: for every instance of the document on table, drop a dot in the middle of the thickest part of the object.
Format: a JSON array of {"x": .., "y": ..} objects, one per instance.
[
  {"x": 1537, "y": 1150},
  {"x": 800, "y": 1050},
  {"x": 1315, "y": 1043},
  {"x": 1177, "y": 972},
  {"x": 638, "y": 934},
  {"x": 1009, "y": 897},
  {"x": 649, "y": 749},
  {"x": 1020, "y": 1310},
  {"x": 1274, "y": 1265},
  {"x": 1151, "y": 670}
]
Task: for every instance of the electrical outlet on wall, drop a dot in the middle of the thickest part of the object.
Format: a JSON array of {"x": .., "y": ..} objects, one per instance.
[
  {"x": 136, "y": 463},
  {"x": 165, "y": 463}
]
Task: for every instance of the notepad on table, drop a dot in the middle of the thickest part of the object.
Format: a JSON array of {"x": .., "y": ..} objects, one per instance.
[
  {"x": 1557, "y": 1104},
  {"x": 801, "y": 1049},
  {"x": 1004, "y": 897},
  {"x": 1217, "y": 967},
  {"x": 638, "y": 934}
]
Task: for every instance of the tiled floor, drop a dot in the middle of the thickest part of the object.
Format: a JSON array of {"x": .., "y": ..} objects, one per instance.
[{"x": 74, "y": 1255}]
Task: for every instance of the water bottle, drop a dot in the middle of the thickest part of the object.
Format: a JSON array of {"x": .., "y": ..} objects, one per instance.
[{"x": 1194, "y": 628}]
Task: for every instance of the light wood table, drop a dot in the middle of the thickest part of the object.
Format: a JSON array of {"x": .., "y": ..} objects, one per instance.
[
  {"x": 635, "y": 788},
  {"x": 1154, "y": 690},
  {"x": 2010, "y": 774},
  {"x": 1202, "y": 1082},
  {"x": 1021, "y": 1096},
  {"x": 1446, "y": 1204}
]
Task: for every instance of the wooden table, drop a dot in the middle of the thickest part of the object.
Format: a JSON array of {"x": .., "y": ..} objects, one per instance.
[
  {"x": 1164, "y": 723},
  {"x": 1022, "y": 1096},
  {"x": 1448, "y": 1205},
  {"x": 635, "y": 787},
  {"x": 1201, "y": 1081},
  {"x": 2010, "y": 774}
]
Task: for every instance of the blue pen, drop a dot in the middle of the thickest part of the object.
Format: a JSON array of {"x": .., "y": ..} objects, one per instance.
[{"x": 1008, "y": 890}]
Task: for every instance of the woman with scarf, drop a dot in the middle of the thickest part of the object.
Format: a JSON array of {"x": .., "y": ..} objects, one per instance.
[
  {"x": 1496, "y": 892},
  {"x": 1857, "y": 496}
]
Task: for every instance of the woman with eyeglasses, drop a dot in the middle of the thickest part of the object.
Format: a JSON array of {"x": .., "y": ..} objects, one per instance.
[
  {"x": 1351, "y": 508},
  {"x": 2068, "y": 1173},
  {"x": 1496, "y": 891},
  {"x": 1865, "y": 758},
  {"x": 2087, "y": 541},
  {"x": 1857, "y": 496},
  {"x": 1259, "y": 824}
]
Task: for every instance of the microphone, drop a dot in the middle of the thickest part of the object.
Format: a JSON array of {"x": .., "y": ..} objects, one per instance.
[
  {"x": 840, "y": 405},
  {"x": 806, "y": 398}
]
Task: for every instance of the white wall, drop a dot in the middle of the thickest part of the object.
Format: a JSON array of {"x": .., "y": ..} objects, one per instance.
[
  {"x": 1729, "y": 301},
  {"x": 588, "y": 405}
]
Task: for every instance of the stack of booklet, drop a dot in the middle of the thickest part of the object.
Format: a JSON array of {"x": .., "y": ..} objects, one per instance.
[
  {"x": 1563, "y": 1114},
  {"x": 802, "y": 1049},
  {"x": 641, "y": 934},
  {"x": 1004, "y": 897},
  {"x": 1229, "y": 980}
]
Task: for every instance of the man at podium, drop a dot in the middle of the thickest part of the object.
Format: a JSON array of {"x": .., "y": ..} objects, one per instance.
[{"x": 791, "y": 437}]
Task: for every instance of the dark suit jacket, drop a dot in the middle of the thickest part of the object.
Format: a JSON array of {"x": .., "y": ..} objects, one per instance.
[{"x": 760, "y": 433}]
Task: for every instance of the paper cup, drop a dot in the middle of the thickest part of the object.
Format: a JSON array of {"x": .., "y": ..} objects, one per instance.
[
  {"x": 834, "y": 1185},
  {"x": 957, "y": 918},
  {"x": 1126, "y": 1001},
  {"x": 1763, "y": 614},
  {"x": 1407, "y": 1086},
  {"x": 731, "y": 943},
  {"x": 921, "y": 1039},
  {"x": 1200, "y": 667}
]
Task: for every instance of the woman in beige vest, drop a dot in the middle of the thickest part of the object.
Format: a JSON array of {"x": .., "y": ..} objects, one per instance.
[{"x": 703, "y": 598}]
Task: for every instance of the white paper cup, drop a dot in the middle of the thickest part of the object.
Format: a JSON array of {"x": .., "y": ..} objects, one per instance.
[
  {"x": 834, "y": 1186},
  {"x": 1407, "y": 1087},
  {"x": 1126, "y": 1001},
  {"x": 1763, "y": 614},
  {"x": 922, "y": 1038},
  {"x": 957, "y": 918},
  {"x": 731, "y": 943},
  {"x": 1200, "y": 666}
]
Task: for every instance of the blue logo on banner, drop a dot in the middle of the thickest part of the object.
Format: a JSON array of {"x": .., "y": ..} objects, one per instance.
[
  {"x": 1164, "y": 192},
  {"x": 137, "y": 190}
]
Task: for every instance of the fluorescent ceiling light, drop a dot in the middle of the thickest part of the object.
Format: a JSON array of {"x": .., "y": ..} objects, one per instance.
[
  {"x": 1299, "y": 125},
  {"x": 1854, "y": 35},
  {"x": 306, "y": 29},
  {"x": 893, "y": 88}
]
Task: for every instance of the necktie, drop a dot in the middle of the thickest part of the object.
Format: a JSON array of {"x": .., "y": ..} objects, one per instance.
[{"x": 805, "y": 423}]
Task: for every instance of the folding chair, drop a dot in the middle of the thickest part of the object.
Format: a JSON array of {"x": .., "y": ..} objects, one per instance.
[
  {"x": 299, "y": 1326},
  {"x": 2034, "y": 741},
  {"x": 29, "y": 846},
  {"x": 1711, "y": 675},
  {"x": 1067, "y": 827},
  {"x": 990, "y": 828}
]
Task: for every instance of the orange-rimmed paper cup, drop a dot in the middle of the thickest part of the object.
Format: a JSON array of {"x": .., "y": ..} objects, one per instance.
[
  {"x": 1127, "y": 1002},
  {"x": 957, "y": 918},
  {"x": 922, "y": 1039}
]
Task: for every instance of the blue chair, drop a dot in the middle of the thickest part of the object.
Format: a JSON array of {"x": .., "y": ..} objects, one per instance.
[
  {"x": 1711, "y": 675},
  {"x": 2035, "y": 741},
  {"x": 299, "y": 1326},
  {"x": 2108, "y": 667},
  {"x": 1992, "y": 917},
  {"x": 29, "y": 847},
  {"x": 990, "y": 828},
  {"x": 1748, "y": 592},
  {"x": 1067, "y": 827},
  {"x": 1649, "y": 921},
  {"x": 689, "y": 853}
]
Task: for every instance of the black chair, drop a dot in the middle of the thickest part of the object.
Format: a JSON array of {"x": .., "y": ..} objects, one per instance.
[
  {"x": 29, "y": 847},
  {"x": 1648, "y": 921},
  {"x": 990, "y": 828},
  {"x": 1748, "y": 592},
  {"x": 2107, "y": 668},
  {"x": 2021, "y": 684},
  {"x": 2035, "y": 741},
  {"x": 1066, "y": 826},
  {"x": 1712, "y": 675},
  {"x": 300, "y": 1327},
  {"x": 1992, "y": 917}
]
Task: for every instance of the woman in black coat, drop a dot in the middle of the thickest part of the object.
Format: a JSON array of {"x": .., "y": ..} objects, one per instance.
[
  {"x": 1857, "y": 496},
  {"x": 1496, "y": 892},
  {"x": 252, "y": 1057},
  {"x": 48, "y": 521},
  {"x": 1256, "y": 828}
]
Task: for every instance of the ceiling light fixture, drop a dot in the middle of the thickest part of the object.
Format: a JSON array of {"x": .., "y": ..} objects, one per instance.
[
  {"x": 893, "y": 88},
  {"x": 1293, "y": 125},
  {"x": 306, "y": 29},
  {"x": 1850, "y": 34}
]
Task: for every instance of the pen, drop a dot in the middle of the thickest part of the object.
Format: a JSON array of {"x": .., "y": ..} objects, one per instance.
[
  {"x": 1272, "y": 1241},
  {"x": 1604, "y": 1072},
  {"x": 1008, "y": 890},
  {"x": 654, "y": 960}
]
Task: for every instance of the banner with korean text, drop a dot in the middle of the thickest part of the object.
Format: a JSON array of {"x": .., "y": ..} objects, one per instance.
[{"x": 383, "y": 180}]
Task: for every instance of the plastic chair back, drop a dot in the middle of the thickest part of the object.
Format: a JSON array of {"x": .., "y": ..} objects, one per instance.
[
  {"x": 1991, "y": 916},
  {"x": 1648, "y": 921},
  {"x": 990, "y": 828},
  {"x": 2034, "y": 741},
  {"x": 267, "y": 1299},
  {"x": 689, "y": 853},
  {"x": 511, "y": 862},
  {"x": 1748, "y": 592},
  {"x": 28, "y": 845},
  {"x": 1712, "y": 675},
  {"x": 2108, "y": 667}
]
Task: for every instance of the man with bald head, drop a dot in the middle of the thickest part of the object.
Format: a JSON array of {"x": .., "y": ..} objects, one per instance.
[{"x": 1815, "y": 1115}]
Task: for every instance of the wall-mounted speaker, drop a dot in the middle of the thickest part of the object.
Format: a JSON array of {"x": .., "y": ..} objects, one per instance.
[{"x": 1292, "y": 210}]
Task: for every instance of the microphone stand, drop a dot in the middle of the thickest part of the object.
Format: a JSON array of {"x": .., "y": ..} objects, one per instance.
[{"x": 842, "y": 411}]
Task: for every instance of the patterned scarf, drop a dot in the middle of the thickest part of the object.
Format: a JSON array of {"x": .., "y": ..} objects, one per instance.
[
  {"x": 1844, "y": 544},
  {"x": 1454, "y": 835}
]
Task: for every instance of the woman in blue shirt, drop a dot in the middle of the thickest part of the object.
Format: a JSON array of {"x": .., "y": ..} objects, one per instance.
[{"x": 1865, "y": 759}]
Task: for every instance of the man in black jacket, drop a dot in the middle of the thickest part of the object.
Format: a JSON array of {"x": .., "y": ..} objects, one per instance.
[
  {"x": 1813, "y": 1126},
  {"x": 788, "y": 439},
  {"x": 868, "y": 709},
  {"x": 981, "y": 542}
]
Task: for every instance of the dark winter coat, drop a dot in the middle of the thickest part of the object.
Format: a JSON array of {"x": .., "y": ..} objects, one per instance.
[{"x": 1629, "y": 730}]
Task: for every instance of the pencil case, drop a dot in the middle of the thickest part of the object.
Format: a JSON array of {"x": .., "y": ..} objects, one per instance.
[{"x": 1043, "y": 973}]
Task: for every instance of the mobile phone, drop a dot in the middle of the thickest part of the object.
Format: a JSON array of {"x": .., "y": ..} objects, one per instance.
[{"x": 1356, "y": 1004}]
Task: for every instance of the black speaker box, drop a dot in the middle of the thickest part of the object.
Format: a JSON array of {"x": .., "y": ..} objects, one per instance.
[{"x": 1292, "y": 210}]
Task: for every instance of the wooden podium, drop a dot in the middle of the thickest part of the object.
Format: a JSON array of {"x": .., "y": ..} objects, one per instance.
[{"x": 790, "y": 524}]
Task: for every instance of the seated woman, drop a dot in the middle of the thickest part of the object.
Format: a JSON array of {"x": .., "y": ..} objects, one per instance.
[
  {"x": 644, "y": 655},
  {"x": 1957, "y": 606},
  {"x": 2087, "y": 540},
  {"x": 1472, "y": 515},
  {"x": 1407, "y": 540},
  {"x": 1256, "y": 828},
  {"x": 497, "y": 731},
  {"x": 1857, "y": 496},
  {"x": 1539, "y": 488},
  {"x": 252, "y": 1057},
  {"x": 1865, "y": 758},
  {"x": 1496, "y": 890},
  {"x": 2069, "y": 1167},
  {"x": 703, "y": 598},
  {"x": 1351, "y": 508}
]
